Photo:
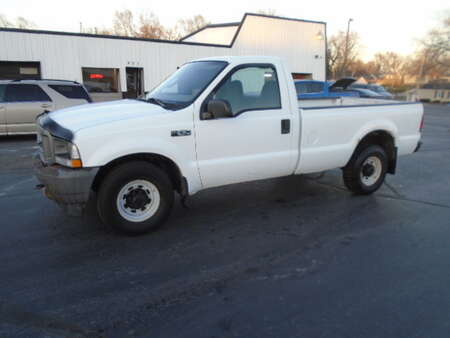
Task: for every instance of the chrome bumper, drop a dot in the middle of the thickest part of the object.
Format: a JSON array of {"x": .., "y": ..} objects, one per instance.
[{"x": 70, "y": 188}]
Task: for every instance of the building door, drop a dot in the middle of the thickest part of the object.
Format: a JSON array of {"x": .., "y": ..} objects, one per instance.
[{"x": 135, "y": 86}]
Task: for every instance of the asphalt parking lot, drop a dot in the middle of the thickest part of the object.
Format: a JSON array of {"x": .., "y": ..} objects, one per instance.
[{"x": 292, "y": 257}]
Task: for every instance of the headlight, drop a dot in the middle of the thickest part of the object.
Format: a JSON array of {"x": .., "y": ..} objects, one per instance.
[{"x": 66, "y": 153}]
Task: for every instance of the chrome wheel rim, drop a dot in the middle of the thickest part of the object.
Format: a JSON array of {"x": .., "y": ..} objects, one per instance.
[
  {"x": 138, "y": 200},
  {"x": 371, "y": 170}
]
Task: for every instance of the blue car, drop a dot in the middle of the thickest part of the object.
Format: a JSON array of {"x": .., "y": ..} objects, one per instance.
[{"x": 311, "y": 89}]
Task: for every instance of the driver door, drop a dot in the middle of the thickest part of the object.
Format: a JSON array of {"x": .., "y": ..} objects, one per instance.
[{"x": 255, "y": 143}]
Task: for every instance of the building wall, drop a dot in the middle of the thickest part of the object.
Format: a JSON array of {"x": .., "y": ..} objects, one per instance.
[
  {"x": 295, "y": 41},
  {"x": 217, "y": 35},
  {"x": 431, "y": 95},
  {"x": 64, "y": 56}
]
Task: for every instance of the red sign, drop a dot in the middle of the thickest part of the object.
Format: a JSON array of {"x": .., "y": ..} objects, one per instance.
[{"x": 96, "y": 76}]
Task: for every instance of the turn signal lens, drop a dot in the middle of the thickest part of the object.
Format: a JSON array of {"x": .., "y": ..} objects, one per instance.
[{"x": 77, "y": 163}]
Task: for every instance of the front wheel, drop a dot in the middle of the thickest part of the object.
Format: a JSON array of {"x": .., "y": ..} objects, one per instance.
[
  {"x": 366, "y": 171},
  {"x": 135, "y": 197}
]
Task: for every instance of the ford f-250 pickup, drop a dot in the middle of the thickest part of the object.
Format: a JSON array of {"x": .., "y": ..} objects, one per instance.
[{"x": 214, "y": 122}]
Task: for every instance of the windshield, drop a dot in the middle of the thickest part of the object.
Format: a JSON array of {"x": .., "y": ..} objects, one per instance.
[{"x": 186, "y": 84}]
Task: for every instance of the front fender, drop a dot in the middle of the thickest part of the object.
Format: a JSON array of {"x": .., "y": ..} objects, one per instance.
[{"x": 180, "y": 150}]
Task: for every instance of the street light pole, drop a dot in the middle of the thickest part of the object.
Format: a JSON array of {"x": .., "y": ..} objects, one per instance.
[{"x": 346, "y": 45}]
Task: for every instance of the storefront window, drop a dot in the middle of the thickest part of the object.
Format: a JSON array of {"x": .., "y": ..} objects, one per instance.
[
  {"x": 101, "y": 80},
  {"x": 12, "y": 70}
]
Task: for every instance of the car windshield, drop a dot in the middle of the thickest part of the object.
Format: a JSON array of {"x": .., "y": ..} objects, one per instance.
[{"x": 186, "y": 84}]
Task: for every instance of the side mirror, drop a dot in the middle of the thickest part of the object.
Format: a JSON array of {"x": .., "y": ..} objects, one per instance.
[{"x": 219, "y": 109}]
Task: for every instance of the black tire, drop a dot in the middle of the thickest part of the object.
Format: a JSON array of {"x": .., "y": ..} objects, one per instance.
[
  {"x": 353, "y": 170},
  {"x": 113, "y": 183}
]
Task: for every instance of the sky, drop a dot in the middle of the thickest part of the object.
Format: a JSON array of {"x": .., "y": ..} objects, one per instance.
[{"x": 383, "y": 25}]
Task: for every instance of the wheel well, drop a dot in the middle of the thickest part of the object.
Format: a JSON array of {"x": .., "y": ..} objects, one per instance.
[
  {"x": 385, "y": 140},
  {"x": 164, "y": 163}
]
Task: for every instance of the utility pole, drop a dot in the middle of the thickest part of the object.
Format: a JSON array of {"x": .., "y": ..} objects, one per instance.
[
  {"x": 81, "y": 27},
  {"x": 345, "y": 66}
]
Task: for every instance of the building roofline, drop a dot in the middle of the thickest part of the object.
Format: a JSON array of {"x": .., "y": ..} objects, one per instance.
[
  {"x": 117, "y": 37},
  {"x": 283, "y": 18},
  {"x": 104, "y": 36},
  {"x": 239, "y": 24}
]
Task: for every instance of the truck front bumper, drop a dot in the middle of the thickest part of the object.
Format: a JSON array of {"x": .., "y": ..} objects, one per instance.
[{"x": 70, "y": 188}]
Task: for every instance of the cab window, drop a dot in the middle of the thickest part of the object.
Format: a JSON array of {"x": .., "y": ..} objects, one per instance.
[{"x": 250, "y": 88}]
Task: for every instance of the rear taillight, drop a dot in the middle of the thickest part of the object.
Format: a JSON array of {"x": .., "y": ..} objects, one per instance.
[{"x": 422, "y": 123}]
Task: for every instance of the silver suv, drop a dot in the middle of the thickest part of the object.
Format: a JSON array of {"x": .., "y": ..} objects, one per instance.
[{"x": 21, "y": 101}]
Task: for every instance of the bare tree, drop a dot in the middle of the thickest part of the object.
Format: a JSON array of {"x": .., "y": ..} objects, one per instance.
[
  {"x": 123, "y": 23},
  {"x": 148, "y": 26},
  {"x": 189, "y": 25},
  {"x": 392, "y": 67},
  {"x": 20, "y": 22},
  {"x": 340, "y": 56},
  {"x": 151, "y": 28},
  {"x": 432, "y": 60},
  {"x": 97, "y": 30},
  {"x": 4, "y": 22}
]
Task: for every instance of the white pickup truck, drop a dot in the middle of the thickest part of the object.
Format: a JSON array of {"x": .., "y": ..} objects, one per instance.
[{"x": 214, "y": 122}]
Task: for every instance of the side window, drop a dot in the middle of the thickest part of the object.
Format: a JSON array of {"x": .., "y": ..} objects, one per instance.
[
  {"x": 25, "y": 93},
  {"x": 316, "y": 87},
  {"x": 71, "y": 92},
  {"x": 250, "y": 88},
  {"x": 301, "y": 87},
  {"x": 2, "y": 93}
]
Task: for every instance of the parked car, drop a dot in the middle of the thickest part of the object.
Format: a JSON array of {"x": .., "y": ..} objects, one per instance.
[
  {"x": 21, "y": 101},
  {"x": 380, "y": 90},
  {"x": 215, "y": 121},
  {"x": 311, "y": 89},
  {"x": 367, "y": 93}
]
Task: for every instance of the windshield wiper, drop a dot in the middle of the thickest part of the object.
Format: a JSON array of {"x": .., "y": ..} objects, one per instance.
[{"x": 157, "y": 101}]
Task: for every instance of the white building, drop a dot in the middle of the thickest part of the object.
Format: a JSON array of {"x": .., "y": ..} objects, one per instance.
[{"x": 113, "y": 66}]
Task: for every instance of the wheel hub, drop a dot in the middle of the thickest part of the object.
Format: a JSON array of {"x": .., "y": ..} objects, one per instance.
[
  {"x": 371, "y": 170},
  {"x": 137, "y": 199},
  {"x": 368, "y": 170}
]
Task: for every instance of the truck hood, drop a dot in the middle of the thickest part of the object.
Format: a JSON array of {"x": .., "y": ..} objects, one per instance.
[{"x": 91, "y": 115}]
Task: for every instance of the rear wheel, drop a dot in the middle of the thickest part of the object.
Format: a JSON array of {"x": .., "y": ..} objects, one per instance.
[
  {"x": 366, "y": 171},
  {"x": 135, "y": 198}
]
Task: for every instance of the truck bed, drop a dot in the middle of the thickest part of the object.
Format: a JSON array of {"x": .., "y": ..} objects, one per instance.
[{"x": 332, "y": 128}]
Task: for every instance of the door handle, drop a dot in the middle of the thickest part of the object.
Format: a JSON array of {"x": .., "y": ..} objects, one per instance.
[
  {"x": 285, "y": 126},
  {"x": 46, "y": 105}
]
